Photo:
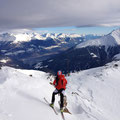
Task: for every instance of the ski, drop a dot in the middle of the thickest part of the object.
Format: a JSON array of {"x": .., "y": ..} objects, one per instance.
[
  {"x": 50, "y": 106},
  {"x": 61, "y": 112},
  {"x": 62, "y": 116}
]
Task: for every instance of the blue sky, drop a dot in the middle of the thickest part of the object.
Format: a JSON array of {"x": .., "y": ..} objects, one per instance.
[{"x": 78, "y": 30}]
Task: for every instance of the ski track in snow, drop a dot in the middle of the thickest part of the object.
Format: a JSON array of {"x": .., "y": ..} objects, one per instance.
[{"x": 92, "y": 94}]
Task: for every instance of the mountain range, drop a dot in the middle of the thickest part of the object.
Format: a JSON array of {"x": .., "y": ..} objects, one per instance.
[
  {"x": 92, "y": 94},
  {"x": 88, "y": 54},
  {"x": 23, "y": 50}
]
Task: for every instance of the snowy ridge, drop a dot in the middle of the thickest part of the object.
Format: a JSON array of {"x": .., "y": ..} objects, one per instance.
[
  {"x": 117, "y": 57},
  {"x": 92, "y": 94},
  {"x": 116, "y": 35},
  {"x": 26, "y": 37},
  {"x": 111, "y": 39}
]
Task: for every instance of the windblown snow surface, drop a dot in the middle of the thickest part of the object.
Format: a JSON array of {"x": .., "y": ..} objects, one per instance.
[{"x": 92, "y": 94}]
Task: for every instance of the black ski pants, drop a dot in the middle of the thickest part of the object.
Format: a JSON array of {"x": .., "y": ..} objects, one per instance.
[{"x": 61, "y": 92}]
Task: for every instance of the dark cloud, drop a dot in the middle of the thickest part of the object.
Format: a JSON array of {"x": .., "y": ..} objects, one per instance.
[{"x": 52, "y": 13}]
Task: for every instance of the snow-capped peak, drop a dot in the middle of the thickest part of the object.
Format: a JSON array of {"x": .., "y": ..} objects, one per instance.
[
  {"x": 74, "y": 35},
  {"x": 116, "y": 35},
  {"x": 22, "y": 37},
  {"x": 7, "y": 37},
  {"x": 111, "y": 39},
  {"x": 28, "y": 36},
  {"x": 62, "y": 35}
]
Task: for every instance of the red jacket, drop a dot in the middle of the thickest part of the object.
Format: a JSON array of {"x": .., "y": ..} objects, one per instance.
[{"x": 61, "y": 84}]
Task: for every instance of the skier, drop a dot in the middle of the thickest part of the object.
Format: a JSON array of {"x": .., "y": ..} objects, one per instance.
[{"x": 60, "y": 85}]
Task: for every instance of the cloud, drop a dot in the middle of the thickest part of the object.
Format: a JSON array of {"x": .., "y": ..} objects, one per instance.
[{"x": 15, "y": 14}]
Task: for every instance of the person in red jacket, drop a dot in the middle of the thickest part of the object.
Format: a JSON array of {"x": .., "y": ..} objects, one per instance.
[{"x": 60, "y": 85}]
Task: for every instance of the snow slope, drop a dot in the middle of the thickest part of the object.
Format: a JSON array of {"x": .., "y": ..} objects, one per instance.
[
  {"x": 92, "y": 94},
  {"x": 111, "y": 39},
  {"x": 117, "y": 57}
]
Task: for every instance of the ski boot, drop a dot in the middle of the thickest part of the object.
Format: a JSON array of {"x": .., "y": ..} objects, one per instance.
[
  {"x": 51, "y": 105},
  {"x": 61, "y": 110}
]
